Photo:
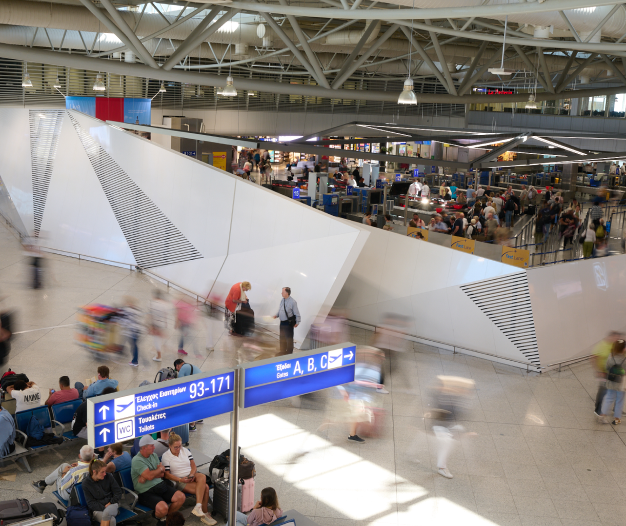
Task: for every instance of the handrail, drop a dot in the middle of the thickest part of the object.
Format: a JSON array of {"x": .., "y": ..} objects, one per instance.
[
  {"x": 454, "y": 347},
  {"x": 83, "y": 256},
  {"x": 570, "y": 361}
]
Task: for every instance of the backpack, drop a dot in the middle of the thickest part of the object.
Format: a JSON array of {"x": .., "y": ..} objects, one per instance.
[
  {"x": 167, "y": 373},
  {"x": 77, "y": 516},
  {"x": 34, "y": 429},
  {"x": 616, "y": 372}
]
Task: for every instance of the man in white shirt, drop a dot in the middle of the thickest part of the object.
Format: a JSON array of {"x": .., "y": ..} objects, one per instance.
[
  {"x": 480, "y": 192},
  {"x": 27, "y": 395},
  {"x": 498, "y": 203},
  {"x": 415, "y": 189},
  {"x": 425, "y": 190},
  {"x": 489, "y": 209}
]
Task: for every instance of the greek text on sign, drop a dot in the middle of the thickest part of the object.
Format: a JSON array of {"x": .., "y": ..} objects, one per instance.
[
  {"x": 122, "y": 416},
  {"x": 309, "y": 364}
]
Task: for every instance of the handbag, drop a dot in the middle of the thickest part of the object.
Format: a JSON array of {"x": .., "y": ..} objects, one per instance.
[{"x": 290, "y": 319}]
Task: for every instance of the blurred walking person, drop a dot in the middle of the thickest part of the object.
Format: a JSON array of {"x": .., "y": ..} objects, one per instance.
[
  {"x": 158, "y": 322},
  {"x": 289, "y": 317},
  {"x": 131, "y": 327},
  {"x": 450, "y": 398},
  {"x": 614, "y": 384},
  {"x": 33, "y": 253},
  {"x": 185, "y": 317},
  {"x": 601, "y": 353}
]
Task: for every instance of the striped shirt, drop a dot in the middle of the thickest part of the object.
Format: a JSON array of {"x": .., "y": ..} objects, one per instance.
[{"x": 72, "y": 477}]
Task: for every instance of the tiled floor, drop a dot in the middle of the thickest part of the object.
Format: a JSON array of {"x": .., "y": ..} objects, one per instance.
[{"x": 531, "y": 453}]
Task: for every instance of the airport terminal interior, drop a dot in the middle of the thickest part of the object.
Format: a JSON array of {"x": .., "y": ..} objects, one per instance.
[{"x": 378, "y": 247}]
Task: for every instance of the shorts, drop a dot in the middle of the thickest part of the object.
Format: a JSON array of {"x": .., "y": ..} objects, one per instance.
[
  {"x": 163, "y": 491},
  {"x": 180, "y": 486}
]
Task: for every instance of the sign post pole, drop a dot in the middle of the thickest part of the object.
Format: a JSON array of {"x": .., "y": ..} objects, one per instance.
[{"x": 234, "y": 454}]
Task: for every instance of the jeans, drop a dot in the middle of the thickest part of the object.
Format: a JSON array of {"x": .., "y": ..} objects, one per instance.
[
  {"x": 445, "y": 443},
  {"x": 599, "y": 398},
  {"x": 241, "y": 519},
  {"x": 613, "y": 396},
  {"x": 508, "y": 216},
  {"x": 184, "y": 333},
  {"x": 108, "y": 514},
  {"x": 286, "y": 337},
  {"x": 79, "y": 386},
  {"x": 55, "y": 478},
  {"x": 132, "y": 342}
]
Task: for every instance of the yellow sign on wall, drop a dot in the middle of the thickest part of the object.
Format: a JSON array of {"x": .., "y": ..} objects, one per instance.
[
  {"x": 219, "y": 160},
  {"x": 463, "y": 244},
  {"x": 417, "y": 233},
  {"x": 515, "y": 256}
]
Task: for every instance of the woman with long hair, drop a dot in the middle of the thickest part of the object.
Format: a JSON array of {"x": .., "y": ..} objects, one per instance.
[{"x": 265, "y": 511}]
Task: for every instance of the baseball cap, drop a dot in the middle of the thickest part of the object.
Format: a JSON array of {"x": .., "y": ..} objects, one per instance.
[{"x": 147, "y": 441}]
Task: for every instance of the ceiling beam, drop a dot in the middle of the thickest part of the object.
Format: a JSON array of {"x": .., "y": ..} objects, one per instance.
[
  {"x": 77, "y": 61},
  {"x": 123, "y": 26},
  {"x": 442, "y": 60}
]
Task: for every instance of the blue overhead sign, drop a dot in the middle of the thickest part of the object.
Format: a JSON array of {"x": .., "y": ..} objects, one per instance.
[
  {"x": 128, "y": 414},
  {"x": 279, "y": 378}
]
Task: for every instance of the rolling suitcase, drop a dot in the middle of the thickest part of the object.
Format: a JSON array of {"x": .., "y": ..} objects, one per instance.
[
  {"x": 247, "y": 495},
  {"x": 14, "y": 511},
  {"x": 220, "y": 498},
  {"x": 531, "y": 210},
  {"x": 49, "y": 508},
  {"x": 183, "y": 432},
  {"x": 244, "y": 320}
]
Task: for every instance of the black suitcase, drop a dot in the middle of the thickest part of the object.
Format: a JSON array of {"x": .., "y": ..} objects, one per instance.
[
  {"x": 220, "y": 498},
  {"x": 244, "y": 320},
  {"x": 531, "y": 210},
  {"x": 48, "y": 508},
  {"x": 14, "y": 511}
]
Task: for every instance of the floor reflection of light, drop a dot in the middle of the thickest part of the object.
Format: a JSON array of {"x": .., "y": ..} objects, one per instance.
[
  {"x": 536, "y": 419},
  {"x": 356, "y": 488}
]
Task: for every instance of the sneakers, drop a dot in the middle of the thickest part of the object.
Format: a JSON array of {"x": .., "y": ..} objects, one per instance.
[
  {"x": 617, "y": 421},
  {"x": 602, "y": 420},
  {"x": 208, "y": 520},
  {"x": 197, "y": 511},
  {"x": 39, "y": 485},
  {"x": 382, "y": 390},
  {"x": 156, "y": 359},
  {"x": 133, "y": 364},
  {"x": 356, "y": 438},
  {"x": 192, "y": 427},
  {"x": 183, "y": 352},
  {"x": 444, "y": 472}
]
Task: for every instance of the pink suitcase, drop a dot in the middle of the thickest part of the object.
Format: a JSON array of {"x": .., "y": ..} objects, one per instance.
[{"x": 247, "y": 495}]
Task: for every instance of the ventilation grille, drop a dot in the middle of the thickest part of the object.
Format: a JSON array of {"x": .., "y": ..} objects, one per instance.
[
  {"x": 45, "y": 128},
  {"x": 506, "y": 302},
  {"x": 151, "y": 236}
]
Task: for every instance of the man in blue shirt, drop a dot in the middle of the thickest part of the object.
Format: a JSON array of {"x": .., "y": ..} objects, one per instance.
[
  {"x": 185, "y": 369},
  {"x": 287, "y": 310},
  {"x": 116, "y": 458},
  {"x": 96, "y": 388},
  {"x": 471, "y": 196},
  {"x": 7, "y": 433}
]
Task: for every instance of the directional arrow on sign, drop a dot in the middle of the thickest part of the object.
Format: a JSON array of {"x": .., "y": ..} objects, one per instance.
[
  {"x": 104, "y": 432},
  {"x": 103, "y": 410},
  {"x": 349, "y": 356}
]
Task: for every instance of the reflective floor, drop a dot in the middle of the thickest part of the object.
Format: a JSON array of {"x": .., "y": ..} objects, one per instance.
[{"x": 531, "y": 452}]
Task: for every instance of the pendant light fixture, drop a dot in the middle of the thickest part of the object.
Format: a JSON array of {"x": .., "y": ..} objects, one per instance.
[
  {"x": 260, "y": 30},
  {"x": 407, "y": 95},
  {"x": 531, "y": 104},
  {"x": 26, "y": 82},
  {"x": 98, "y": 85},
  {"x": 162, "y": 88},
  {"x": 229, "y": 90},
  {"x": 502, "y": 70},
  {"x": 57, "y": 83}
]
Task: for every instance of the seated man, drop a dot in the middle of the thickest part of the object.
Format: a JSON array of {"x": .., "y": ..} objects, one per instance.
[
  {"x": 64, "y": 394},
  {"x": 181, "y": 468},
  {"x": 27, "y": 395},
  {"x": 96, "y": 388},
  {"x": 154, "y": 492},
  {"x": 79, "y": 423},
  {"x": 7, "y": 433},
  {"x": 67, "y": 475},
  {"x": 116, "y": 459}
]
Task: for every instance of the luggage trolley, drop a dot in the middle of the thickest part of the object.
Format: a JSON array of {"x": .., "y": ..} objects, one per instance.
[{"x": 98, "y": 329}]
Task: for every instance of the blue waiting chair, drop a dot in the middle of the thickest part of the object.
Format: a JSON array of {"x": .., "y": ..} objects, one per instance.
[
  {"x": 127, "y": 485},
  {"x": 282, "y": 521},
  {"x": 79, "y": 497},
  {"x": 62, "y": 414}
]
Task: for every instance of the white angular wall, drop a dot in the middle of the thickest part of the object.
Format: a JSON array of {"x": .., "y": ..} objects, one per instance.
[{"x": 100, "y": 191}]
